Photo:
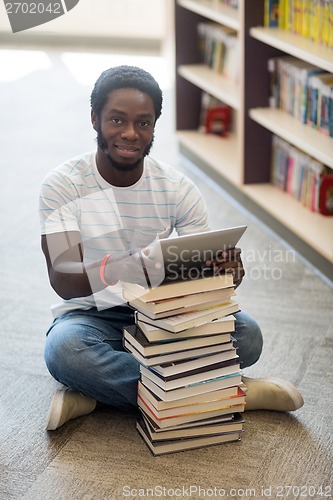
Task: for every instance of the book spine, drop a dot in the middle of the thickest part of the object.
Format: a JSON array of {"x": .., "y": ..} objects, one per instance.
[{"x": 298, "y": 174}]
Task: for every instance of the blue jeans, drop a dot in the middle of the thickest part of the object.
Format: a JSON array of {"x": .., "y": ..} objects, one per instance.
[{"x": 84, "y": 351}]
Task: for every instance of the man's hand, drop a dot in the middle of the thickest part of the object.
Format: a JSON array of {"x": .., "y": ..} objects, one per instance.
[
  {"x": 228, "y": 261},
  {"x": 135, "y": 267}
]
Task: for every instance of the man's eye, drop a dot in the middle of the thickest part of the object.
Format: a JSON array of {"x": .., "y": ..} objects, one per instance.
[
  {"x": 116, "y": 120},
  {"x": 144, "y": 124}
]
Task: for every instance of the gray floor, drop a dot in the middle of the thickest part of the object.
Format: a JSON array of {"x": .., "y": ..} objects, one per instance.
[{"x": 45, "y": 120}]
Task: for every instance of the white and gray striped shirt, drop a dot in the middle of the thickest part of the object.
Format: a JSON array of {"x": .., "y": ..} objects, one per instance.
[{"x": 75, "y": 197}]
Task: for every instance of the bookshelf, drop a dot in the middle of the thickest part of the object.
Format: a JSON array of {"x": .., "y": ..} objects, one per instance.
[{"x": 241, "y": 162}]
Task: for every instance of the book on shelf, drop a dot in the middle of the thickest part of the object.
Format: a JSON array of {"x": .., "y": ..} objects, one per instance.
[
  {"x": 301, "y": 176},
  {"x": 179, "y": 305},
  {"x": 215, "y": 116},
  {"x": 289, "y": 83},
  {"x": 175, "y": 445},
  {"x": 160, "y": 404},
  {"x": 307, "y": 18},
  {"x": 217, "y": 370},
  {"x": 326, "y": 195},
  {"x": 179, "y": 288},
  {"x": 181, "y": 322},
  {"x": 181, "y": 355},
  {"x": 317, "y": 85},
  {"x": 134, "y": 336},
  {"x": 189, "y": 390},
  {"x": 271, "y": 13},
  {"x": 219, "y": 47},
  {"x": 196, "y": 429}
]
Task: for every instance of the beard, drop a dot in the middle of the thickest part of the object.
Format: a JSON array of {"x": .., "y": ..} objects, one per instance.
[{"x": 120, "y": 166}]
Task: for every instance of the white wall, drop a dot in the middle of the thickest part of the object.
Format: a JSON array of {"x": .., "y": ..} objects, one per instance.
[{"x": 126, "y": 19}]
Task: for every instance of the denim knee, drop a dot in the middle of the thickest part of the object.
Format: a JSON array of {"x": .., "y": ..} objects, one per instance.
[{"x": 249, "y": 339}]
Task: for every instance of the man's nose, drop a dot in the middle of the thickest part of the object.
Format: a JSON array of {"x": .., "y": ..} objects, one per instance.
[{"x": 129, "y": 131}]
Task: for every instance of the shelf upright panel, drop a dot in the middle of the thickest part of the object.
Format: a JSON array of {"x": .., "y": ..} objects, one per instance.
[
  {"x": 257, "y": 141},
  {"x": 188, "y": 96}
]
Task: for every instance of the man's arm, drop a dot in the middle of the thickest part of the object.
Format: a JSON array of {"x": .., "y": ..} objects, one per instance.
[{"x": 71, "y": 278}]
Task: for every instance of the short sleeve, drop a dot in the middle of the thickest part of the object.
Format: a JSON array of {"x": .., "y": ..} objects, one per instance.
[
  {"x": 58, "y": 204},
  {"x": 192, "y": 213}
]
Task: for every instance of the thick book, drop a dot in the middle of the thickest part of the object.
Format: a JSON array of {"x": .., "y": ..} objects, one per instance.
[
  {"x": 166, "y": 422},
  {"x": 188, "y": 365},
  {"x": 135, "y": 337},
  {"x": 189, "y": 390},
  {"x": 197, "y": 373},
  {"x": 179, "y": 288},
  {"x": 174, "y": 382},
  {"x": 172, "y": 446},
  {"x": 159, "y": 404},
  {"x": 181, "y": 322},
  {"x": 189, "y": 409},
  {"x": 182, "y": 431},
  {"x": 218, "y": 326},
  {"x": 179, "y": 305},
  {"x": 190, "y": 355}
]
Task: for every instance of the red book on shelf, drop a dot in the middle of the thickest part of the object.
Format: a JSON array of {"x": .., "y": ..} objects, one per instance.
[
  {"x": 326, "y": 195},
  {"x": 218, "y": 120}
]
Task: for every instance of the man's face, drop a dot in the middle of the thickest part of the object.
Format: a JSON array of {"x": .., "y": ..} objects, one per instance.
[{"x": 125, "y": 129}]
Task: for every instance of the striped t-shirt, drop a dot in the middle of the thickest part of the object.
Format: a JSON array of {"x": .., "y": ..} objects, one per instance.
[{"x": 75, "y": 197}]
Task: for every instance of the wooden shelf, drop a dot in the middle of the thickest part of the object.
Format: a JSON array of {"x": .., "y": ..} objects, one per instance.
[
  {"x": 219, "y": 152},
  {"x": 242, "y": 161},
  {"x": 289, "y": 128},
  {"x": 211, "y": 10},
  {"x": 314, "y": 229},
  {"x": 215, "y": 84},
  {"x": 295, "y": 45}
]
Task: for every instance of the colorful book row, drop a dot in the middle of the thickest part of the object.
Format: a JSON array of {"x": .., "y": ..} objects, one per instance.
[
  {"x": 302, "y": 90},
  {"x": 303, "y": 177},
  {"x": 308, "y": 18},
  {"x": 219, "y": 48}
]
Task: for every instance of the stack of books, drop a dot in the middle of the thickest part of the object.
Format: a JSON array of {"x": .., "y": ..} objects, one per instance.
[{"x": 189, "y": 391}]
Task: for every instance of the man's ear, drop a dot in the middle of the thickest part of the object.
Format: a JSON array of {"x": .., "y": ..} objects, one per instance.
[{"x": 94, "y": 120}]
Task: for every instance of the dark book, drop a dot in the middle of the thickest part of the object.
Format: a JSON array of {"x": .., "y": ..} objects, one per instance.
[
  {"x": 225, "y": 325},
  {"x": 181, "y": 322},
  {"x": 179, "y": 288},
  {"x": 182, "y": 431},
  {"x": 176, "y": 381},
  {"x": 194, "y": 408},
  {"x": 179, "y": 305},
  {"x": 186, "y": 356},
  {"x": 181, "y": 368},
  {"x": 159, "y": 404},
  {"x": 190, "y": 390},
  {"x": 136, "y": 338}
]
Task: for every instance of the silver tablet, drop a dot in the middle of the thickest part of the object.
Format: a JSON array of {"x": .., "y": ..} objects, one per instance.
[{"x": 192, "y": 250}]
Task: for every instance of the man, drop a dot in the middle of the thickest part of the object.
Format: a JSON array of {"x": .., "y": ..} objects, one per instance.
[{"x": 98, "y": 211}]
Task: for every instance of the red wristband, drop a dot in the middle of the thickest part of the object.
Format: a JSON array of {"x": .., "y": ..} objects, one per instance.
[{"x": 102, "y": 271}]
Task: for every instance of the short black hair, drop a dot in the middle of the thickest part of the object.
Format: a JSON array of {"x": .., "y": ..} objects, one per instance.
[{"x": 119, "y": 77}]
